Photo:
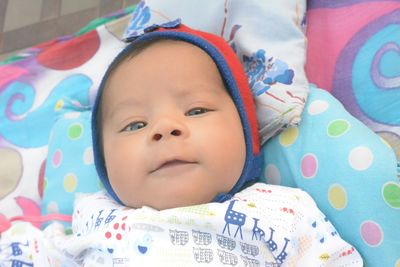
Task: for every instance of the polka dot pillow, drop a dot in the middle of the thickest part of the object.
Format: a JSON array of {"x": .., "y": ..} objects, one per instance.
[
  {"x": 349, "y": 171},
  {"x": 69, "y": 166}
]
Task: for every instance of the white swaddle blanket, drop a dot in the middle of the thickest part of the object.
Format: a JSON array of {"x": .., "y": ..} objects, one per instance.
[{"x": 264, "y": 225}]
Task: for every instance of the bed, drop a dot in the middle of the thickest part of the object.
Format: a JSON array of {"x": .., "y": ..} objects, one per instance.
[{"x": 329, "y": 109}]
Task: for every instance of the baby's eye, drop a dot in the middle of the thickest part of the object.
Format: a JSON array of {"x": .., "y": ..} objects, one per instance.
[
  {"x": 133, "y": 126},
  {"x": 196, "y": 111}
]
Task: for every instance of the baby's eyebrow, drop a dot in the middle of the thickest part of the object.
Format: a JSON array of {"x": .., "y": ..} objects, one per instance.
[
  {"x": 199, "y": 90},
  {"x": 126, "y": 104}
]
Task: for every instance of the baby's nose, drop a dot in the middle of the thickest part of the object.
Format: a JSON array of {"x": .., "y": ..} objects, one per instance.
[
  {"x": 168, "y": 128},
  {"x": 159, "y": 136}
]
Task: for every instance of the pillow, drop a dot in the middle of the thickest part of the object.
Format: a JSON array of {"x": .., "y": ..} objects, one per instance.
[
  {"x": 32, "y": 91},
  {"x": 69, "y": 167},
  {"x": 267, "y": 37},
  {"x": 348, "y": 170},
  {"x": 358, "y": 59}
]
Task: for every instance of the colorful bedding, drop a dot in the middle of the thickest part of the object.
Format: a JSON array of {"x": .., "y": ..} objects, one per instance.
[
  {"x": 35, "y": 88},
  {"x": 354, "y": 53},
  {"x": 348, "y": 170},
  {"x": 47, "y": 90}
]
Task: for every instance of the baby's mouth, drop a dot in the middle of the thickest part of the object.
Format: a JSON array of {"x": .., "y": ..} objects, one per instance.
[{"x": 171, "y": 164}]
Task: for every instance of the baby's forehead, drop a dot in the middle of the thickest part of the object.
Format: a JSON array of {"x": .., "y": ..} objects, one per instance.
[
  {"x": 149, "y": 47},
  {"x": 150, "y": 50}
]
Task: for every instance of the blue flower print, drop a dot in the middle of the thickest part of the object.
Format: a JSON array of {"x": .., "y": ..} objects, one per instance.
[{"x": 263, "y": 72}]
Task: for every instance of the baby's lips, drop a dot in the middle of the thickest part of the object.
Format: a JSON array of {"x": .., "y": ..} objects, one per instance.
[{"x": 171, "y": 162}]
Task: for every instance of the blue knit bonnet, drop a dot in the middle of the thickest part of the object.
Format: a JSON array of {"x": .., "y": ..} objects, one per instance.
[{"x": 236, "y": 82}]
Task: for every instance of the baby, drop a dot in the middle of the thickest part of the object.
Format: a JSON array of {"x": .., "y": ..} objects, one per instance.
[
  {"x": 175, "y": 139},
  {"x": 169, "y": 127}
]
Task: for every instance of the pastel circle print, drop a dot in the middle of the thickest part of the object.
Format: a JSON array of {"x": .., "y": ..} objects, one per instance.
[
  {"x": 41, "y": 181},
  {"x": 10, "y": 170},
  {"x": 371, "y": 233},
  {"x": 337, "y": 196},
  {"x": 272, "y": 174},
  {"x": 318, "y": 106},
  {"x": 360, "y": 158},
  {"x": 57, "y": 158},
  {"x": 88, "y": 156},
  {"x": 338, "y": 127},
  {"x": 289, "y": 136},
  {"x": 75, "y": 131},
  {"x": 309, "y": 165},
  {"x": 391, "y": 194},
  {"x": 70, "y": 182},
  {"x": 69, "y": 168},
  {"x": 349, "y": 171}
]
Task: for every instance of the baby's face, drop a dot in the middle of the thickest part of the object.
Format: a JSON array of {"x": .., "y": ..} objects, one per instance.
[{"x": 171, "y": 133}]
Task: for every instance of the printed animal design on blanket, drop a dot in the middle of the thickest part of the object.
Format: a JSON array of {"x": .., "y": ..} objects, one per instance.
[
  {"x": 18, "y": 263},
  {"x": 17, "y": 251},
  {"x": 264, "y": 71},
  {"x": 239, "y": 219},
  {"x": 235, "y": 218},
  {"x": 282, "y": 255},
  {"x": 258, "y": 233},
  {"x": 16, "y": 248},
  {"x": 116, "y": 238},
  {"x": 270, "y": 242}
]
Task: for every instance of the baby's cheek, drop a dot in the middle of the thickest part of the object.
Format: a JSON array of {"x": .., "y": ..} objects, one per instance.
[
  {"x": 234, "y": 158},
  {"x": 118, "y": 172}
]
